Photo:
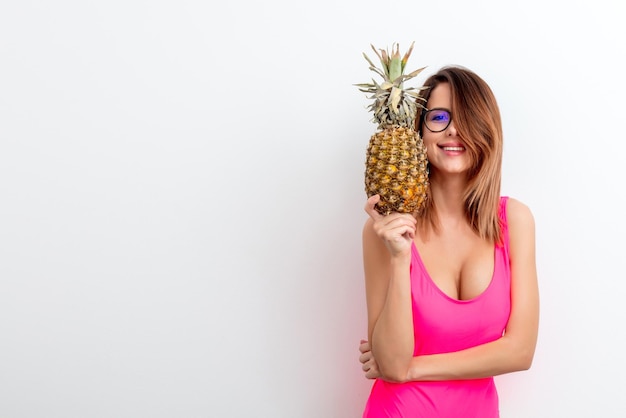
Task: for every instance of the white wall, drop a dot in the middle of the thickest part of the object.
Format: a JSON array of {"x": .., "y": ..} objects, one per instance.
[{"x": 181, "y": 199}]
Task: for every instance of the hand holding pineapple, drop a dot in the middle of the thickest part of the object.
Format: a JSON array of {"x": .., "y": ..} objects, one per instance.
[
  {"x": 396, "y": 163},
  {"x": 396, "y": 230}
]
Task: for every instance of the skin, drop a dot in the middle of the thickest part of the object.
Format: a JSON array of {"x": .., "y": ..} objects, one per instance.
[{"x": 461, "y": 265}]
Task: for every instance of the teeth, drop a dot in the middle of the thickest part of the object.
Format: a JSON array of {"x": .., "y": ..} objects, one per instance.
[{"x": 453, "y": 148}]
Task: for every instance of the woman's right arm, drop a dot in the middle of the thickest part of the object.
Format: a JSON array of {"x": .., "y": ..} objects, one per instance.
[{"x": 387, "y": 242}]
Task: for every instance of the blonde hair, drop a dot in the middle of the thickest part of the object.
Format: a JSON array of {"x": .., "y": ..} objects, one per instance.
[{"x": 477, "y": 120}]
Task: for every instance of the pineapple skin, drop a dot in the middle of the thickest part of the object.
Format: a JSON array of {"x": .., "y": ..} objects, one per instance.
[{"x": 396, "y": 168}]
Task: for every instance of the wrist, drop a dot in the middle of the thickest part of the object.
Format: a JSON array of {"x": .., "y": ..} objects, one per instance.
[{"x": 401, "y": 260}]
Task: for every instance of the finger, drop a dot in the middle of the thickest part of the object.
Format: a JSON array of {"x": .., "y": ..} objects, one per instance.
[
  {"x": 409, "y": 232},
  {"x": 394, "y": 227},
  {"x": 394, "y": 220},
  {"x": 398, "y": 218},
  {"x": 369, "y": 207},
  {"x": 398, "y": 233}
]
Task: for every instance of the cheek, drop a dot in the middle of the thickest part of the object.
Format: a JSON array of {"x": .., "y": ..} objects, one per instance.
[{"x": 430, "y": 140}]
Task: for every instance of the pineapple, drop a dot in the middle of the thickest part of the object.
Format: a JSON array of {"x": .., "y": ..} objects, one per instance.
[{"x": 396, "y": 167}]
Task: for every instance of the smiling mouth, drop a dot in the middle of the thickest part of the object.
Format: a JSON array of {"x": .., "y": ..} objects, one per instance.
[{"x": 453, "y": 148}]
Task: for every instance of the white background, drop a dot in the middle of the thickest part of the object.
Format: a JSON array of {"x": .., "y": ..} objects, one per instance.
[{"x": 181, "y": 188}]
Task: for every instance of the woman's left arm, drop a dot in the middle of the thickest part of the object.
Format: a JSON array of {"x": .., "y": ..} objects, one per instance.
[{"x": 512, "y": 352}]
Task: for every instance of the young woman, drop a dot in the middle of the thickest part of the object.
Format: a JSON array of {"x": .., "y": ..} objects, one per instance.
[{"x": 452, "y": 295}]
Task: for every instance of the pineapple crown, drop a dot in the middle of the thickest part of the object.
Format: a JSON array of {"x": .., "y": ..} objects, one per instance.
[{"x": 393, "y": 104}]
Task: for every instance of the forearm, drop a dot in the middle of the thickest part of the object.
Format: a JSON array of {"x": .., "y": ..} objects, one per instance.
[
  {"x": 392, "y": 336},
  {"x": 501, "y": 356}
]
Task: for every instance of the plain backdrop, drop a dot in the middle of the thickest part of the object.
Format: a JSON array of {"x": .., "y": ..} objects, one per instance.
[{"x": 181, "y": 199}]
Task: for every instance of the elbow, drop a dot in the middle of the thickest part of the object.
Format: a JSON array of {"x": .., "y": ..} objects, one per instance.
[
  {"x": 394, "y": 376},
  {"x": 394, "y": 371},
  {"x": 393, "y": 362},
  {"x": 526, "y": 361},
  {"x": 519, "y": 353},
  {"x": 524, "y": 358}
]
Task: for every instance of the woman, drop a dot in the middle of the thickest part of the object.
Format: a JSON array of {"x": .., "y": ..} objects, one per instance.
[{"x": 452, "y": 294}]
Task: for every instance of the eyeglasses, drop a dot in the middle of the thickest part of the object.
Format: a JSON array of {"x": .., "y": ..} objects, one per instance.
[{"x": 437, "y": 120}]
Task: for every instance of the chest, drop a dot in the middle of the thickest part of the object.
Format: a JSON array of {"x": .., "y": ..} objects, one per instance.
[
  {"x": 465, "y": 306},
  {"x": 460, "y": 265}
]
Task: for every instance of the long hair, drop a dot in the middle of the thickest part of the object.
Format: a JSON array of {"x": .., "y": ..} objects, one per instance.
[{"x": 477, "y": 120}]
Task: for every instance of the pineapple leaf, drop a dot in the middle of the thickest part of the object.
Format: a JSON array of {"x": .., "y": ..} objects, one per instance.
[
  {"x": 406, "y": 56},
  {"x": 414, "y": 73},
  {"x": 415, "y": 95},
  {"x": 395, "y": 65},
  {"x": 369, "y": 60},
  {"x": 394, "y": 98},
  {"x": 382, "y": 60}
]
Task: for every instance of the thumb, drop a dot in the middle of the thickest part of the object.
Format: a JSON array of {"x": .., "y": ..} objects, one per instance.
[{"x": 369, "y": 207}]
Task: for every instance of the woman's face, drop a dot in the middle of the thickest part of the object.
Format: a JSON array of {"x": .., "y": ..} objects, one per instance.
[{"x": 446, "y": 150}]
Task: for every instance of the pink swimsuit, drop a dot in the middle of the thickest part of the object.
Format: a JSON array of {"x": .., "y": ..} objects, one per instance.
[{"x": 442, "y": 324}]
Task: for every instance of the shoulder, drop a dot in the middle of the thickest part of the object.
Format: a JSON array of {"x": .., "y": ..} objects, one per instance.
[
  {"x": 518, "y": 214},
  {"x": 521, "y": 226}
]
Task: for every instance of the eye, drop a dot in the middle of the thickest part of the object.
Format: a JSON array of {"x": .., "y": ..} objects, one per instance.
[{"x": 439, "y": 116}]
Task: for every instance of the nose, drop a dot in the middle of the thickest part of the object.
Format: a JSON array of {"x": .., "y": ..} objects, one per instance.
[{"x": 451, "y": 129}]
